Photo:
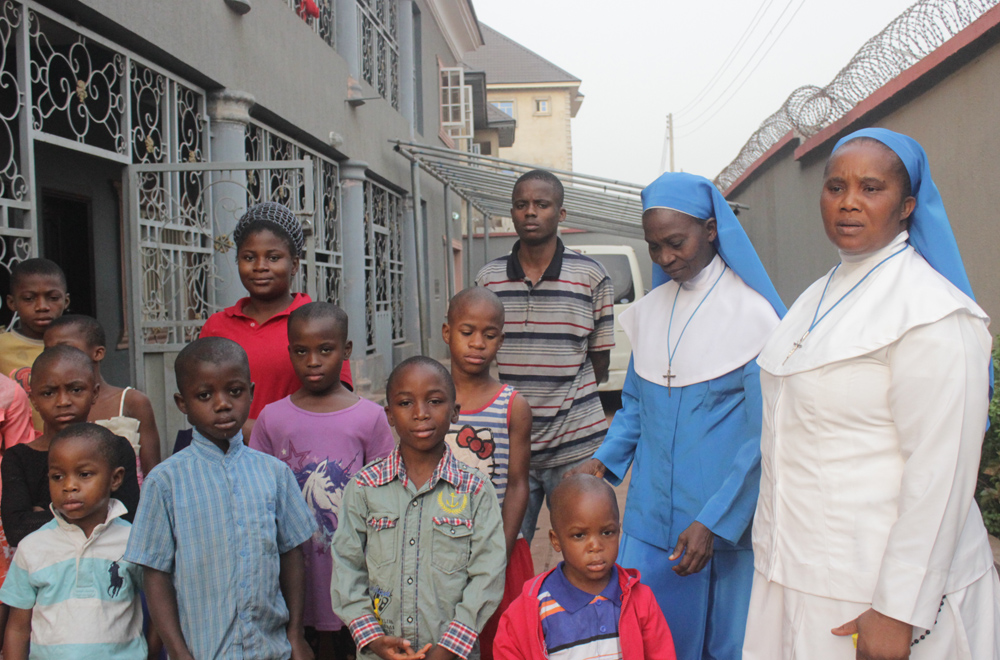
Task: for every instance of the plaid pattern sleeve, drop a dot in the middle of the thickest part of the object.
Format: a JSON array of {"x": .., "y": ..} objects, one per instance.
[
  {"x": 457, "y": 638},
  {"x": 366, "y": 629}
]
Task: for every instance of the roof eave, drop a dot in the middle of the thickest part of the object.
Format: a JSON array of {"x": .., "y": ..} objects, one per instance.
[{"x": 458, "y": 24}]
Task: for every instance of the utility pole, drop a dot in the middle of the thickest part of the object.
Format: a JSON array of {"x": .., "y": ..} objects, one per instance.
[{"x": 668, "y": 145}]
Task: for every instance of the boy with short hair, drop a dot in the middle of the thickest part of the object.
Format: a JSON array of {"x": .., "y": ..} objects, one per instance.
[
  {"x": 587, "y": 606},
  {"x": 419, "y": 549},
  {"x": 70, "y": 592},
  {"x": 562, "y": 304},
  {"x": 325, "y": 433},
  {"x": 38, "y": 296},
  {"x": 125, "y": 411},
  {"x": 220, "y": 525}
]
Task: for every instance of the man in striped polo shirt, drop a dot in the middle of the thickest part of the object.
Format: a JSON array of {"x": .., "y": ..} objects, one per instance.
[{"x": 559, "y": 333}]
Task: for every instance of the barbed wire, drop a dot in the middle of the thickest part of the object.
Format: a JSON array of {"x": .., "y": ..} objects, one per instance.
[{"x": 914, "y": 34}]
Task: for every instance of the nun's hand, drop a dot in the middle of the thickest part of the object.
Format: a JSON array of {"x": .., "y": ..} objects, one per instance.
[
  {"x": 879, "y": 637},
  {"x": 591, "y": 466},
  {"x": 697, "y": 544}
]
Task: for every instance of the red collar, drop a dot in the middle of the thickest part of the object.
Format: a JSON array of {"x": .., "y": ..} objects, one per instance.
[{"x": 298, "y": 300}]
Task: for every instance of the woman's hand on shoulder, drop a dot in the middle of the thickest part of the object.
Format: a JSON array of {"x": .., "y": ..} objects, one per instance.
[
  {"x": 590, "y": 466},
  {"x": 879, "y": 637}
]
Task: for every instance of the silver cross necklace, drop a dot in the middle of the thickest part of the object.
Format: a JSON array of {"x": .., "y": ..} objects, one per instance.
[
  {"x": 816, "y": 321},
  {"x": 670, "y": 375}
]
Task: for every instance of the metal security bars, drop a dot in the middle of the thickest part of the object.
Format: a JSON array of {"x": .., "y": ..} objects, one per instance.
[
  {"x": 383, "y": 265},
  {"x": 377, "y": 25}
]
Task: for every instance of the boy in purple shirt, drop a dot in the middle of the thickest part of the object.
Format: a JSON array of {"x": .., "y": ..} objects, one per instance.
[{"x": 325, "y": 433}]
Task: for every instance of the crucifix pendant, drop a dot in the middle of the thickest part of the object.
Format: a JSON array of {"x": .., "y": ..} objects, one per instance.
[
  {"x": 669, "y": 376},
  {"x": 796, "y": 346}
]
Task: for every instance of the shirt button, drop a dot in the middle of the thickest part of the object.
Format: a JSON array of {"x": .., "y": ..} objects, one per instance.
[
  {"x": 244, "y": 584},
  {"x": 409, "y": 580},
  {"x": 253, "y": 325},
  {"x": 603, "y": 629},
  {"x": 244, "y": 553},
  {"x": 240, "y": 522},
  {"x": 414, "y": 503},
  {"x": 244, "y": 615},
  {"x": 452, "y": 530},
  {"x": 412, "y": 541},
  {"x": 409, "y": 619}
]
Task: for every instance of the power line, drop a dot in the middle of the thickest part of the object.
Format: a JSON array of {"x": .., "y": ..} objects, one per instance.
[
  {"x": 757, "y": 17},
  {"x": 749, "y": 75}
]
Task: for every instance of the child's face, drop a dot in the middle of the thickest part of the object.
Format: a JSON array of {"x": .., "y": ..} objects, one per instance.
[
  {"x": 38, "y": 299},
  {"x": 475, "y": 337},
  {"x": 216, "y": 399},
  {"x": 266, "y": 266},
  {"x": 535, "y": 211},
  {"x": 67, "y": 335},
  {"x": 81, "y": 481},
  {"x": 63, "y": 393},
  {"x": 421, "y": 408},
  {"x": 586, "y": 533},
  {"x": 318, "y": 349}
]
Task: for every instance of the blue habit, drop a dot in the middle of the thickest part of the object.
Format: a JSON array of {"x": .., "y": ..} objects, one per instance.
[{"x": 695, "y": 455}]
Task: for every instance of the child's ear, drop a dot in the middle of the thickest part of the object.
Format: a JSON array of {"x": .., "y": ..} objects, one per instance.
[
  {"x": 10, "y": 302},
  {"x": 180, "y": 403},
  {"x": 503, "y": 336},
  {"x": 456, "y": 413},
  {"x": 97, "y": 393},
  {"x": 117, "y": 477},
  {"x": 98, "y": 354},
  {"x": 554, "y": 540},
  {"x": 446, "y": 333},
  {"x": 348, "y": 349},
  {"x": 295, "y": 265},
  {"x": 388, "y": 416},
  {"x": 251, "y": 391}
]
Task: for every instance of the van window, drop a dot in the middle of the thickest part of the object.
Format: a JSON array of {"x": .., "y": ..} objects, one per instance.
[{"x": 620, "y": 270}]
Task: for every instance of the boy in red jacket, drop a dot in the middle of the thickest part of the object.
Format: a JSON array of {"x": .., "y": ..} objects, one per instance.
[{"x": 587, "y": 606}]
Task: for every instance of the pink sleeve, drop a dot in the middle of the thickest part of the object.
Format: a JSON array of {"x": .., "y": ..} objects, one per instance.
[
  {"x": 259, "y": 438},
  {"x": 16, "y": 426},
  {"x": 381, "y": 443}
]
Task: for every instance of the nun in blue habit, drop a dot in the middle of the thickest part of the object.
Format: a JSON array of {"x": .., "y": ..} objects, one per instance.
[{"x": 691, "y": 417}]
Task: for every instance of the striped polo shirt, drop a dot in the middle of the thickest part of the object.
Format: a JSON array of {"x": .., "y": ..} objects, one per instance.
[
  {"x": 83, "y": 597},
  {"x": 550, "y": 328}
]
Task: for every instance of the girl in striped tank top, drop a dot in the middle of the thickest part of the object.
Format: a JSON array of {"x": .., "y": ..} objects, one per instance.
[{"x": 493, "y": 432}]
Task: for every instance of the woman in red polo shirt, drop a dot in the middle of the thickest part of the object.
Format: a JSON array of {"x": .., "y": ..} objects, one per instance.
[{"x": 269, "y": 242}]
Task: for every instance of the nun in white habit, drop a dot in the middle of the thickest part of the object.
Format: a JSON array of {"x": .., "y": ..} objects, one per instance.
[{"x": 867, "y": 540}]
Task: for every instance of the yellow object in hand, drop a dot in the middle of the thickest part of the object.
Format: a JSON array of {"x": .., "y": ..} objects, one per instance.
[{"x": 855, "y": 638}]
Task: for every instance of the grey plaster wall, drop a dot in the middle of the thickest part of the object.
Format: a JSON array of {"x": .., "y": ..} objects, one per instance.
[{"x": 954, "y": 118}]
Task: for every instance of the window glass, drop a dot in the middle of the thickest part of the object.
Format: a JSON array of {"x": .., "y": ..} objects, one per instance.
[{"x": 620, "y": 270}]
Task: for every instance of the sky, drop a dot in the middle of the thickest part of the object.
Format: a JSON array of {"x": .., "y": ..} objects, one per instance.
[{"x": 640, "y": 59}]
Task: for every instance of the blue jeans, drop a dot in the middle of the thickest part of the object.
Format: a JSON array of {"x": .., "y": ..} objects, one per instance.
[{"x": 541, "y": 483}]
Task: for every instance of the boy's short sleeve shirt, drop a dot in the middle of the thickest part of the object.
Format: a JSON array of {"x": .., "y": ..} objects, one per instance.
[
  {"x": 577, "y": 625},
  {"x": 84, "y": 598},
  {"x": 17, "y": 354},
  {"x": 219, "y": 523},
  {"x": 550, "y": 327}
]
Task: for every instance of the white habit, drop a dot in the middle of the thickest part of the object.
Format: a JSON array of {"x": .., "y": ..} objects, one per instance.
[{"x": 870, "y": 447}]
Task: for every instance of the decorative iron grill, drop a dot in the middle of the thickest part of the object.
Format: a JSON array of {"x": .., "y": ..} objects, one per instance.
[
  {"x": 324, "y": 258},
  {"x": 325, "y": 25},
  {"x": 379, "y": 48},
  {"x": 917, "y": 32},
  {"x": 383, "y": 261}
]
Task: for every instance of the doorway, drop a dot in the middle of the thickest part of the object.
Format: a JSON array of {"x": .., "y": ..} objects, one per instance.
[{"x": 67, "y": 239}]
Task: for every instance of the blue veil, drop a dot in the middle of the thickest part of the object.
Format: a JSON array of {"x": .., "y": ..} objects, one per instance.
[
  {"x": 698, "y": 197},
  {"x": 930, "y": 230}
]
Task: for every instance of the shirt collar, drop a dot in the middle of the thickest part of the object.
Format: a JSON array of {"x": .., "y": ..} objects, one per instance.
[
  {"x": 392, "y": 468},
  {"x": 515, "y": 271},
  {"x": 115, "y": 510},
  {"x": 572, "y": 598},
  {"x": 298, "y": 300},
  {"x": 209, "y": 450}
]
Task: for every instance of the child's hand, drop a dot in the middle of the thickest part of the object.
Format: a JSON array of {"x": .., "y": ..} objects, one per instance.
[
  {"x": 396, "y": 648},
  {"x": 300, "y": 648}
]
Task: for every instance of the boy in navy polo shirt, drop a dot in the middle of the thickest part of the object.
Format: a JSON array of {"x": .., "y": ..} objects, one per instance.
[{"x": 587, "y": 606}]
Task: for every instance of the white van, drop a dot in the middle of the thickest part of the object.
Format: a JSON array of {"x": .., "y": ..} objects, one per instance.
[{"x": 623, "y": 267}]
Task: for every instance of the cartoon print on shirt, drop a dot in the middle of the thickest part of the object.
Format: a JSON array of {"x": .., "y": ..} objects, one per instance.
[
  {"x": 117, "y": 581},
  {"x": 380, "y": 601},
  {"x": 322, "y": 483},
  {"x": 22, "y": 376},
  {"x": 474, "y": 447}
]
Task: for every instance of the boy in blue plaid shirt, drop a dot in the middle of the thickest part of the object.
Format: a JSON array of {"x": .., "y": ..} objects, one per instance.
[
  {"x": 220, "y": 526},
  {"x": 419, "y": 503}
]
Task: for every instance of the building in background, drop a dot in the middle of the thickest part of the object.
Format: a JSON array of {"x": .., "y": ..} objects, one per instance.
[
  {"x": 539, "y": 95},
  {"x": 134, "y": 134}
]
